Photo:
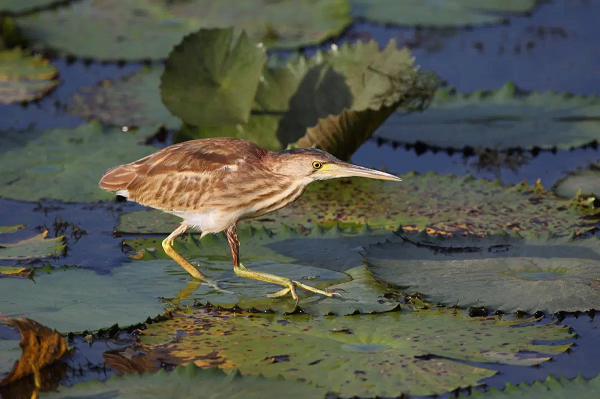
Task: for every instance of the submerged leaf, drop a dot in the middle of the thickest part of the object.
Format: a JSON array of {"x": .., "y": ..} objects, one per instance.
[
  {"x": 24, "y": 77},
  {"x": 367, "y": 356},
  {"x": 210, "y": 78},
  {"x": 445, "y": 13},
  {"x": 551, "y": 388},
  {"x": 508, "y": 273},
  {"x": 65, "y": 164},
  {"x": 131, "y": 101},
  {"x": 190, "y": 382},
  {"x": 40, "y": 346},
  {"x": 439, "y": 203},
  {"x": 308, "y": 259},
  {"x": 30, "y": 249},
  {"x": 148, "y": 29},
  {"x": 502, "y": 119}
]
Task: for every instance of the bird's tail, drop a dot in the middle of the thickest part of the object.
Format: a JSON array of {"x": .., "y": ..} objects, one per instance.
[{"x": 118, "y": 178}]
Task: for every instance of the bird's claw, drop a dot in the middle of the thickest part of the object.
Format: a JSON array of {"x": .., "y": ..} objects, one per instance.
[{"x": 215, "y": 286}]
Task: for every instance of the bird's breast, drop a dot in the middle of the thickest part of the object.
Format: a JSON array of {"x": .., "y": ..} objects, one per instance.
[{"x": 275, "y": 198}]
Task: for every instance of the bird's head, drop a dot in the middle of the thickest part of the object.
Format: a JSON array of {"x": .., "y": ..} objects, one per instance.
[{"x": 310, "y": 164}]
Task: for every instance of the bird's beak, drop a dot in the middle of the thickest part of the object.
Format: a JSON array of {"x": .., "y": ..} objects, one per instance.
[{"x": 342, "y": 169}]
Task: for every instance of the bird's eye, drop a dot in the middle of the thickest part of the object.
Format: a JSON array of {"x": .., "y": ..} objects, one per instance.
[{"x": 317, "y": 165}]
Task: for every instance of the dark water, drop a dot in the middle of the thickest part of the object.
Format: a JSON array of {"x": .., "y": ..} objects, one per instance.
[{"x": 557, "y": 48}]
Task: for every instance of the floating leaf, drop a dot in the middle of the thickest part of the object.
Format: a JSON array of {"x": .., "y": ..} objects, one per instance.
[
  {"x": 131, "y": 101},
  {"x": 503, "y": 272},
  {"x": 302, "y": 258},
  {"x": 24, "y": 77},
  {"x": 10, "y": 229},
  {"x": 415, "y": 353},
  {"x": 551, "y": 388},
  {"x": 187, "y": 382},
  {"x": 210, "y": 78},
  {"x": 17, "y": 6},
  {"x": 586, "y": 182},
  {"x": 40, "y": 346},
  {"x": 446, "y": 13},
  {"x": 501, "y": 119},
  {"x": 340, "y": 96},
  {"x": 142, "y": 29},
  {"x": 10, "y": 353},
  {"x": 30, "y": 249},
  {"x": 65, "y": 164},
  {"x": 439, "y": 203}
]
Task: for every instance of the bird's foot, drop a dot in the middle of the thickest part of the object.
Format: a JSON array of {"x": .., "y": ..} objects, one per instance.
[
  {"x": 212, "y": 284},
  {"x": 326, "y": 292}
]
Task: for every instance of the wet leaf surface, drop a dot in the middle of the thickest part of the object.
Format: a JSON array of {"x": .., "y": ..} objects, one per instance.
[
  {"x": 440, "y": 14},
  {"x": 40, "y": 346},
  {"x": 498, "y": 272},
  {"x": 583, "y": 182},
  {"x": 31, "y": 249},
  {"x": 384, "y": 355},
  {"x": 130, "y": 101},
  {"x": 280, "y": 254},
  {"x": 24, "y": 77},
  {"x": 17, "y": 6},
  {"x": 65, "y": 164},
  {"x": 439, "y": 203},
  {"x": 502, "y": 119},
  {"x": 210, "y": 78},
  {"x": 190, "y": 382},
  {"x": 148, "y": 29}
]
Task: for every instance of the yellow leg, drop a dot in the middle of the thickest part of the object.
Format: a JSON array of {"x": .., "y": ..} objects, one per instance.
[
  {"x": 290, "y": 285},
  {"x": 167, "y": 245}
]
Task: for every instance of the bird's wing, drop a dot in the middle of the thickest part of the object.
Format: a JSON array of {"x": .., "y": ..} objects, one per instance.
[{"x": 179, "y": 168}]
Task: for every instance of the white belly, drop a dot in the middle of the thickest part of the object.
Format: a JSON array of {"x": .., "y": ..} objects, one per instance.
[{"x": 208, "y": 222}]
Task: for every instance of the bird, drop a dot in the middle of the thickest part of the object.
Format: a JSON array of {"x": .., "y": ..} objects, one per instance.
[{"x": 213, "y": 183}]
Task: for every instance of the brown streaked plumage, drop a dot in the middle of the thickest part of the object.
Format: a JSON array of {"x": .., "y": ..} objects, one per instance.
[{"x": 214, "y": 183}]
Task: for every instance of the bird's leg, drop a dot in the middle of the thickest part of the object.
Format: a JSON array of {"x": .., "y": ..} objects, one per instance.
[
  {"x": 240, "y": 270},
  {"x": 167, "y": 245}
]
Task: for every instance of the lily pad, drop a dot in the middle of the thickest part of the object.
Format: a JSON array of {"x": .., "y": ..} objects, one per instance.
[
  {"x": 445, "y": 204},
  {"x": 10, "y": 353},
  {"x": 448, "y": 13},
  {"x": 10, "y": 229},
  {"x": 33, "y": 248},
  {"x": 148, "y": 29},
  {"x": 281, "y": 254},
  {"x": 585, "y": 181},
  {"x": 551, "y": 388},
  {"x": 17, "y": 6},
  {"x": 502, "y": 119},
  {"x": 508, "y": 273},
  {"x": 131, "y": 101},
  {"x": 210, "y": 78},
  {"x": 187, "y": 382},
  {"x": 340, "y": 97},
  {"x": 24, "y": 77},
  {"x": 65, "y": 164},
  {"x": 416, "y": 353}
]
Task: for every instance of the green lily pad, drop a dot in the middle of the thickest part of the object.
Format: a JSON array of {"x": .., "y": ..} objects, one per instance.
[
  {"x": 333, "y": 100},
  {"x": 281, "y": 254},
  {"x": 586, "y": 182},
  {"x": 33, "y": 248},
  {"x": 439, "y": 203},
  {"x": 10, "y": 353},
  {"x": 365, "y": 356},
  {"x": 24, "y": 77},
  {"x": 189, "y": 382},
  {"x": 448, "y": 13},
  {"x": 10, "y": 229},
  {"x": 148, "y": 29},
  {"x": 501, "y": 119},
  {"x": 17, "y": 6},
  {"x": 65, "y": 164},
  {"x": 551, "y": 388},
  {"x": 508, "y": 273},
  {"x": 131, "y": 101},
  {"x": 210, "y": 78}
]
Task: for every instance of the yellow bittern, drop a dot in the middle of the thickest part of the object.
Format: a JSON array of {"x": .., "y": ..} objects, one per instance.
[{"x": 214, "y": 183}]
